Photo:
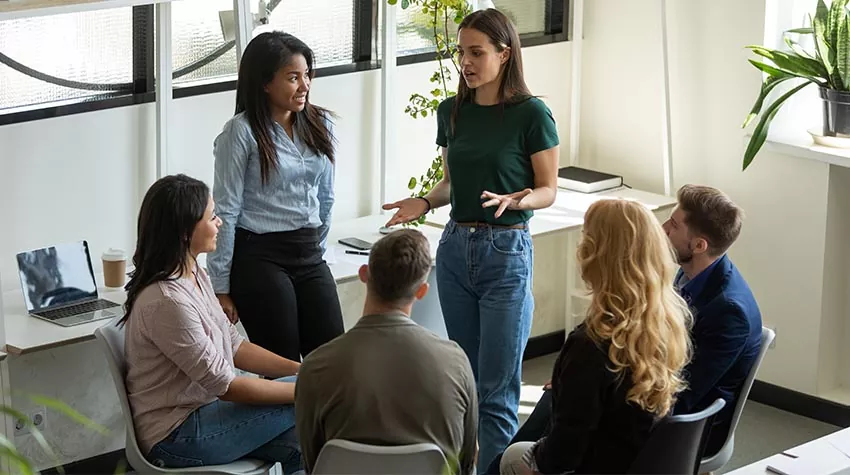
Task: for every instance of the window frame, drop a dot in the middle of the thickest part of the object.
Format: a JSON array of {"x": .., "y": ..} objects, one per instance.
[{"x": 364, "y": 59}]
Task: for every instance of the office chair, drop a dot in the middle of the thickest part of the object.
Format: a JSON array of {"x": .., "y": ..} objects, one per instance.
[
  {"x": 676, "y": 444},
  {"x": 721, "y": 458},
  {"x": 112, "y": 339},
  {"x": 344, "y": 457}
]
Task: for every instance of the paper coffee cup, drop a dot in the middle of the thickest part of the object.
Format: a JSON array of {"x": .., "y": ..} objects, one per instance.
[{"x": 114, "y": 267}]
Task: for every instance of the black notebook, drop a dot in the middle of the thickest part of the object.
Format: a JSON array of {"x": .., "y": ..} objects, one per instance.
[{"x": 587, "y": 181}]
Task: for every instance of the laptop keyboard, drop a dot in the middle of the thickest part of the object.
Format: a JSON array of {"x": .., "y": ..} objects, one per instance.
[{"x": 76, "y": 309}]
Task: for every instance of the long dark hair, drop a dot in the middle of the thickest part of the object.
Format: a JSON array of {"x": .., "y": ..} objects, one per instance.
[
  {"x": 502, "y": 34},
  {"x": 263, "y": 57},
  {"x": 172, "y": 207}
]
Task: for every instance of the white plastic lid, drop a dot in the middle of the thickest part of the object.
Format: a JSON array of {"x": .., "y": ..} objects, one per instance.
[{"x": 114, "y": 255}]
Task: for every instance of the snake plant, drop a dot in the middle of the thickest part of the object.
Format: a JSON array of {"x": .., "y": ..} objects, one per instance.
[{"x": 828, "y": 66}]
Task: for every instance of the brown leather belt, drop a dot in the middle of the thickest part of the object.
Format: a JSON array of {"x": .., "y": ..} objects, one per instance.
[{"x": 488, "y": 225}]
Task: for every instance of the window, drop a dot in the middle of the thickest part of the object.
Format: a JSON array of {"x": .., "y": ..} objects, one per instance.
[
  {"x": 804, "y": 109},
  {"x": 61, "y": 57},
  {"x": 61, "y": 64},
  {"x": 529, "y": 17},
  {"x": 327, "y": 26},
  {"x": 202, "y": 51},
  {"x": 199, "y": 49}
]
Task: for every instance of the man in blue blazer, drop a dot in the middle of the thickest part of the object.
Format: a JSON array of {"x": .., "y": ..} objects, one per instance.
[{"x": 727, "y": 323}]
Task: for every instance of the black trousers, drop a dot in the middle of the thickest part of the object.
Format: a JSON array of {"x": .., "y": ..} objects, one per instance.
[{"x": 284, "y": 292}]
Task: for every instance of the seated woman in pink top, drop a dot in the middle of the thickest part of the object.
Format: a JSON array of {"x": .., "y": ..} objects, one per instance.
[{"x": 190, "y": 408}]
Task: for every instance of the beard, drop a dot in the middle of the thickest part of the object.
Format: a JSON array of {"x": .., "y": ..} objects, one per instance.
[{"x": 683, "y": 256}]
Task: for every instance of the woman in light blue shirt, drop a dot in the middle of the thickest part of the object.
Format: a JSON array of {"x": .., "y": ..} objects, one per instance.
[{"x": 274, "y": 178}]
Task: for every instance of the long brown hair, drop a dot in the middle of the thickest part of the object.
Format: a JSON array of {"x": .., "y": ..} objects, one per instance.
[
  {"x": 263, "y": 57},
  {"x": 502, "y": 34},
  {"x": 171, "y": 209}
]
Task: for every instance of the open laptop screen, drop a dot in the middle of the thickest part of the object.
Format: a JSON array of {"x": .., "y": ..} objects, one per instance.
[{"x": 56, "y": 275}]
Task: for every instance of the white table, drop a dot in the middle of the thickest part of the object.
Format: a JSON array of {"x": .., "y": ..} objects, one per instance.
[
  {"x": 566, "y": 216},
  {"x": 26, "y": 334},
  {"x": 825, "y": 456}
]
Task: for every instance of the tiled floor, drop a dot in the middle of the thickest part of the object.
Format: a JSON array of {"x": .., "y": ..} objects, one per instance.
[{"x": 762, "y": 431}]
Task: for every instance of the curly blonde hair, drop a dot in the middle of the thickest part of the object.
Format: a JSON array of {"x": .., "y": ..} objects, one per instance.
[{"x": 629, "y": 265}]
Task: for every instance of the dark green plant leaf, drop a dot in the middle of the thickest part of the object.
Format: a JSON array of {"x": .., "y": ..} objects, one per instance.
[
  {"x": 802, "y": 31},
  {"x": 842, "y": 59},
  {"x": 837, "y": 13},
  {"x": 760, "y": 132},
  {"x": 767, "y": 86},
  {"x": 822, "y": 45},
  {"x": 770, "y": 70},
  {"x": 797, "y": 65},
  {"x": 411, "y": 184},
  {"x": 405, "y": 4}
]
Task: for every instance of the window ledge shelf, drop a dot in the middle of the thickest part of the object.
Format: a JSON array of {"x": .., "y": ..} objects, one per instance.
[{"x": 802, "y": 146}]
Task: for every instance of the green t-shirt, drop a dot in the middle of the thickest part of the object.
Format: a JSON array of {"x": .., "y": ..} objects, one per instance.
[{"x": 490, "y": 150}]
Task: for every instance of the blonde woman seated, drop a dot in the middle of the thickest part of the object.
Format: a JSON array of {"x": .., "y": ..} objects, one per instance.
[{"x": 620, "y": 370}]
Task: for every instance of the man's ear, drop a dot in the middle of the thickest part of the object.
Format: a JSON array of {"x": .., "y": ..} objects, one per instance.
[
  {"x": 422, "y": 291},
  {"x": 700, "y": 246},
  {"x": 363, "y": 273}
]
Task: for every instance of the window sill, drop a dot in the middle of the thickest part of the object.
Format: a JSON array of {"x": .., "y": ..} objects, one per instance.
[{"x": 801, "y": 145}]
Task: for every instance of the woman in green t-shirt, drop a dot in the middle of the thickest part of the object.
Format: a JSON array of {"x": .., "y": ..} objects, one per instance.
[{"x": 500, "y": 155}]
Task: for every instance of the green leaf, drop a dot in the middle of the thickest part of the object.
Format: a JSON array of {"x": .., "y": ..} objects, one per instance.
[
  {"x": 767, "y": 86},
  {"x": 412, "y": 183},
  {"x": 423, "y": 113},
  {"x": 843, "y": 57},
  {"x": 837, "y": 14},
  {"x": 770, "y": 70},
  {"x": 392, "y": 2},
  {"x": 405, "y": 4},
  {"x": 802, "y": 31},
  {"x": 796, "y": 48},
  {"x": 69, "y": 412},
  {"x": 800, "y": 66},
  {"x": 760, "y": 132},
  {"x": 821, "y": 27},
  {"x": 10, "y": 452}
]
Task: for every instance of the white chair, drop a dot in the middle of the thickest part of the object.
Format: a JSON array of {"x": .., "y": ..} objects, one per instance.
[
  {"x": 343, "y": 457},
  {"x": 721, "y": 458},
  {"x": 112, "y": 338}
]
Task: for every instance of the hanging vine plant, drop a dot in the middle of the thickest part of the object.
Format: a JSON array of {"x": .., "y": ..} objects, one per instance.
[{"x": 441, "y": 18}]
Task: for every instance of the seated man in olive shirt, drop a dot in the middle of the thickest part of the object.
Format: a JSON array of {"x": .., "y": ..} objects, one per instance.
[{"x": 388, "y": 381}]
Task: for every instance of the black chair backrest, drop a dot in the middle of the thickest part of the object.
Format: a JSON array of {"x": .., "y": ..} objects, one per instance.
[{"x": 676, "y": 444}]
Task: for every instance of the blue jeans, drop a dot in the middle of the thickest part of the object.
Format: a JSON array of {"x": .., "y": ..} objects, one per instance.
[
  {"x": 222, "y": 432},
  {"x": 484, "y": 277}
]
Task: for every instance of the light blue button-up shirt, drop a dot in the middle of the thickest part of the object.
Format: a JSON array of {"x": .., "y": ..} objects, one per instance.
[{"x": 299, "y": 192}]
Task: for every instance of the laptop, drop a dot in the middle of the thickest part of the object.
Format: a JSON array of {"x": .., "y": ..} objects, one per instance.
[{"x": 59, "y": 286}]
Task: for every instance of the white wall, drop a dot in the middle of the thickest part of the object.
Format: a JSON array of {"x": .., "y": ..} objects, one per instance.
[
  {"x": 83, "y": 177},
  {"x": 782, "y": 247}
]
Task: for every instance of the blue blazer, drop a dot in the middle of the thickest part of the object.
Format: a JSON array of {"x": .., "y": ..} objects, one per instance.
[{"x": 727, "y": 339}]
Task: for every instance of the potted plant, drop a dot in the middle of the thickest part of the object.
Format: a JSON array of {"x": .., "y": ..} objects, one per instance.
[{"x": 828, "y": 67}]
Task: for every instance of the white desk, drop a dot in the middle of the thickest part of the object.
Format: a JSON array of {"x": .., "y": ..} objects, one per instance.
[
  {"x": 25, "y": 334},
  {"x": 566, "y": 216},
  {"x": 344, "y": 266},
  {"x": 817, "y": 457}
]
